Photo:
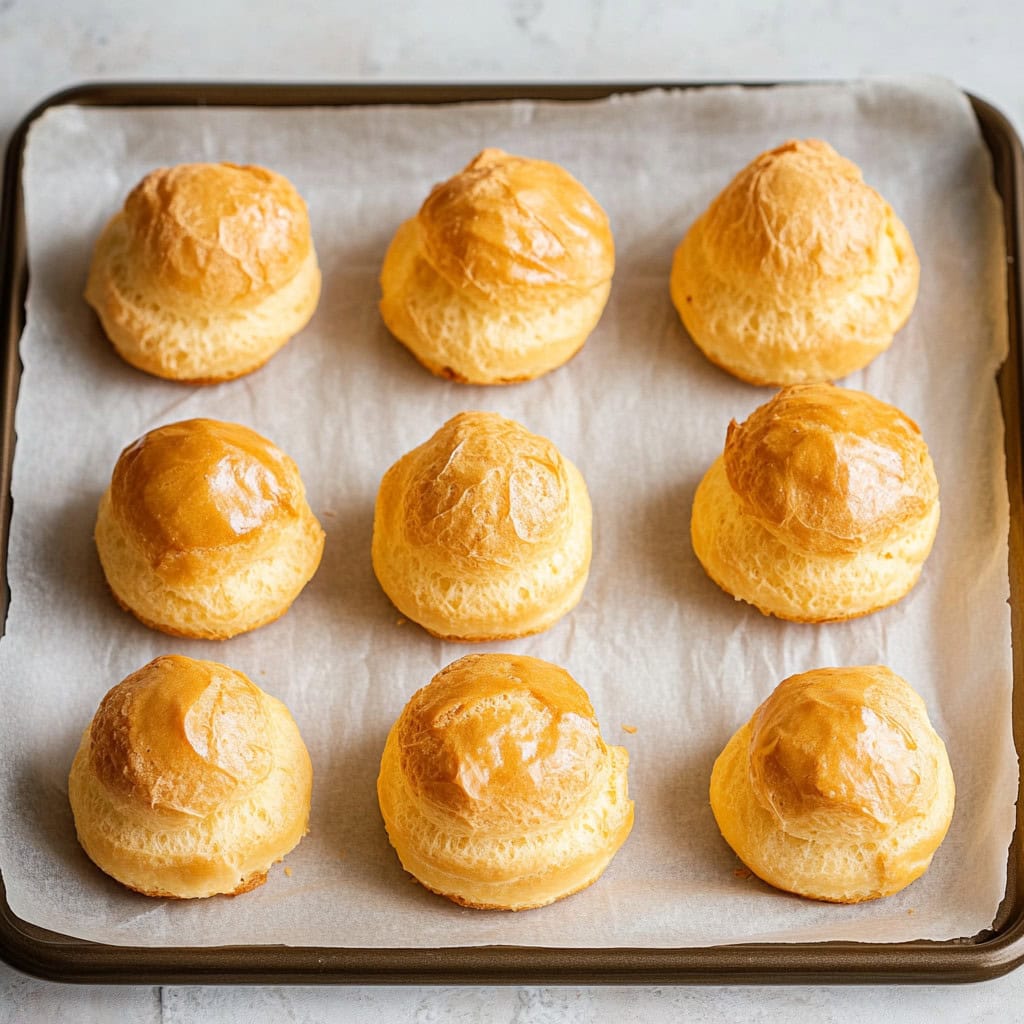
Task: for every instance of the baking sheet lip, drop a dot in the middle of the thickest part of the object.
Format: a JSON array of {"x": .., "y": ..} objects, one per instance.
[
  {"x": 58, "y": 957},
  {"x": 140, "y": 92},
  {"x": 760, "y": 963}
]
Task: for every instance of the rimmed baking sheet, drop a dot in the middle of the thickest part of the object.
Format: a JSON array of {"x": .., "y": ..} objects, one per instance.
[{"x": 534, "y": 958}]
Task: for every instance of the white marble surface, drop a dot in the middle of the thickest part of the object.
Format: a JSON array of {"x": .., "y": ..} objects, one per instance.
[{"x": 46, "y": 45}]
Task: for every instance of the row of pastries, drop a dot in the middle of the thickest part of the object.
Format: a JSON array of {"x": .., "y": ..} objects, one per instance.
[
  {"x": 496, "y": 787},
  {"x": 798, "y": 272}
]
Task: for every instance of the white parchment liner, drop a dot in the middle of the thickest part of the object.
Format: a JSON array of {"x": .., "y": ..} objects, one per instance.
[{"x": 640, "y": 411}]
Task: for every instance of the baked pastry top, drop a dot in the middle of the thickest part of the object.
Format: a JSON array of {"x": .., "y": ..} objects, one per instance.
[
  {"x": 496, "y": 787},
  {"x": 502, "y": 274},
  {"x": 797, "y": 272},
  {"x": 837, "y": 788},
  {"x": 206, "y": 272},
  {"x": 831, "y": 469},
  {"x": 823, "y": 506},
  {"x": 205, "y": 530},
  {"x": 190, "y": 781},
  {"x": 483, "y": 531}
]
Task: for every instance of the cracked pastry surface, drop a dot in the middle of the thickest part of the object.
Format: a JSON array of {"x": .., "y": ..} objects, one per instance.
[
  {"x": 496, "y": 788},
  {"x": 205, "y": 530},
  {"x": 823, "y": 506},
  {"x": 797, "y": 272},
  {"x": 190, "y": 781},
  {"x": 502, "y": 274},
  {"x": 838, "y": 788},
  {"x": 206, "y": 272},
  {"x": 483, "y": 532}
]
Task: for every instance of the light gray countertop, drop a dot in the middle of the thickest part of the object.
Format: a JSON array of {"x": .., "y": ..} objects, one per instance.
[{"x": 45, "y": 46}]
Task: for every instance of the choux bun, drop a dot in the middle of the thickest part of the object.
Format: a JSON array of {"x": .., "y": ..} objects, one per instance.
[
  {"x": 837, "y": 788},
  {"x": 502, "y": 274},
  {"x": 190, "y": 781},
  {"x": 483, "y": 531},
  {"x": 823, "y": 506},
  {"x": 205, "y": 531},
  {"x": 207, "y": 271},
  {"x": 496, "y": 788},
  {"x": 797, "y": 272}
]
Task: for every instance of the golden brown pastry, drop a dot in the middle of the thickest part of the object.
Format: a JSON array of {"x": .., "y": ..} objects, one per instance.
[
  {"x": 483, "y": 531},
  {"x": 837, "y": 788},
  {"x": 207, "y": 271},
  {"x": 496, "y": 788},
  {"x": 502, "y": 274},
  {"x": 190, "y": 781},
  {"x": 205, "y": 531},
  {"x": 797, "y": 272},
  {"x": 823, "y": 506}
]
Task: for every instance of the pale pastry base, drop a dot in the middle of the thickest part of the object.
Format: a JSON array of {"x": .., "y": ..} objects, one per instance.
[
  {"x": 765, "y": 337},
  {"x": 237, "y": 596},
  {"x": 192, "y": 346},
  {"x": 749, "y": 562},
  {"x": 519, "y": 871}
]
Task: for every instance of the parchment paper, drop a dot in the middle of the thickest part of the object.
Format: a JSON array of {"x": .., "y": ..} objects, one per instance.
[{"x": 640, "y": 411}]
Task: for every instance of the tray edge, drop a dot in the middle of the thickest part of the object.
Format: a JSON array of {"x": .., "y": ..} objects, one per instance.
[{"x": 56, "y": 957}]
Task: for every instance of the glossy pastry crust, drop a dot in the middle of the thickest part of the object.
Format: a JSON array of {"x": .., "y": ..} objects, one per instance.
[
  {"x": 497, "y": 789},
  {"x": 797, "y": 272},
  {"x": 823, "y": 506},
  {"x": 837, "y": 788},
  {"x": 205, "y": 530},
  {"x": 206, "y": 272},
  {"x": 483, "y": 532},
  {"x": 502, "y": 274},
  {"x": 190, "y": 781}
]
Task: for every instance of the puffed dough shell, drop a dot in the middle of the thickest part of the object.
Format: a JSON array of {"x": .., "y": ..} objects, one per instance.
[
  {"x": 508, "y": 873},
  {"x": 797, "y": 272},
  {"x": 502, "y": 274},
  {"x": 836, "y": 865},
  {"x": 468, "y": 340},
  {"x": 206, "y": 272},
  {"x": 490, "y": 605},
  {"x": 496, "y": 788},
  {"x": 749, "y": 562},
  {"x": 199, "y": 852},
  {"x": 238, "y": 594},
  {"x": 479, "y": 579},
  {"x": 219, "y": 345}
]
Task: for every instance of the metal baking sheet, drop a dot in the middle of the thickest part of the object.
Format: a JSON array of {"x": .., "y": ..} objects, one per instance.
[{"x": 60, "y": 957}]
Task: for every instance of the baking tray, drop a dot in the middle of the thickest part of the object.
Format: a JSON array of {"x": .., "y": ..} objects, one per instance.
[{"x": 58, "y": 957}]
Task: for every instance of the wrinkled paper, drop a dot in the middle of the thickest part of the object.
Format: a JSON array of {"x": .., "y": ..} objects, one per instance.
[{"x": 639, "y": 410}]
